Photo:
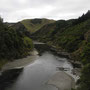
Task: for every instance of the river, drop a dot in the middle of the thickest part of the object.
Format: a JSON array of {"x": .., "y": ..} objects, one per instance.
[{"x": 36, "y": 74}]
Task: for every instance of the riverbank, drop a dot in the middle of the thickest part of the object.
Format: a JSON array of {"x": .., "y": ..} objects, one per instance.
[
  {"x": 20, "y": 63},
  {"x": 77, "y": 66},
  {"x": 60, "y": 79}
]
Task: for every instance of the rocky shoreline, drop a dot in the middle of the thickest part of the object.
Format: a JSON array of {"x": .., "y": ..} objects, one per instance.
[{"x": 63, "y": 53}]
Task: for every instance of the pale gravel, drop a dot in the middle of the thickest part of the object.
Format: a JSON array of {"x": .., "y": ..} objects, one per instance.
[{"x": 62, "y": 81}]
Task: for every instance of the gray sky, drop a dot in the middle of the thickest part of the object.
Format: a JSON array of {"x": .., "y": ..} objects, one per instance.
[{"x": 16, "y": 10}]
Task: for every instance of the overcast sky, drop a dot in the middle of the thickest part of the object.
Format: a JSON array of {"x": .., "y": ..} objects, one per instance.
[{"x": 16, "y": 10}]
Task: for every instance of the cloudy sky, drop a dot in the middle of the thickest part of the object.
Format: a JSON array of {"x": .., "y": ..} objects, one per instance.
[{"x": 16, "y": 10}]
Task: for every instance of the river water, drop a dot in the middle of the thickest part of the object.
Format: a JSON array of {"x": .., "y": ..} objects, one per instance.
[{"x": 36, "y": 75}]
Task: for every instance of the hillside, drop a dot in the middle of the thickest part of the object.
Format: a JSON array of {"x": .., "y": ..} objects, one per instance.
[
  {"x": 13, "y": 43},
  {"x": 72, "y": 36},
  {"x": 32, "y": 25}
]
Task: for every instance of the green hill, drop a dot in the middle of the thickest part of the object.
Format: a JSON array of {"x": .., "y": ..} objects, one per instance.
[{"x": 32, "y": 25}]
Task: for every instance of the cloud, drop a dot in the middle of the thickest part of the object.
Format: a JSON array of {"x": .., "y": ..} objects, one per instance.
[
  {"x": 16, "y": 10},
  {"x": 28, "y": 13}
]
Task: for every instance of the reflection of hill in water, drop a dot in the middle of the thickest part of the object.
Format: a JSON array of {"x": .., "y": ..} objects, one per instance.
[{"x": 8, "y": 77}]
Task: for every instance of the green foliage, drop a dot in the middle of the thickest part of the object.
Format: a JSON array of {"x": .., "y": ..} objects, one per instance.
[
  {"x": 64, "y": 34},
  {"x": 71, "y": 38},
  {"x": 85, "y": 80},
  {"x": 28, "y": 43},
  {"x": 86, "y": 54},
  {"x": 12, "y": 43}
]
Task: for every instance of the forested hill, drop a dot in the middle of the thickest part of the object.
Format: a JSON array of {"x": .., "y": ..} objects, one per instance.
[
  {"x": 13, "y": 43},
  {"x": 72, "y": 36}
]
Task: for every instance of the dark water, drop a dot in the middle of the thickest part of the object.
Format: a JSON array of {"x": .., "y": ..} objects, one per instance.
[{"x": 36, "y": 75}]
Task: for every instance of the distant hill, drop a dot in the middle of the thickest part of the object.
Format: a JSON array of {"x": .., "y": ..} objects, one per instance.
[
  {"x": 82, "y": 18},
  {"x": 32, "y": 25}
]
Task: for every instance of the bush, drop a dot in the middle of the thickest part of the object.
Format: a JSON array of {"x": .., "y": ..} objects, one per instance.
[
  {"x": 86, "y": 54},
  {"x": 28, "y": 42},
  {"x": 12, "y": 44},
  {"x": 85, "y": 78}
]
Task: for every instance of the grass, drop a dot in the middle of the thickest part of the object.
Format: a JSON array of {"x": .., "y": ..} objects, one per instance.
[
  {"x": 2, "y": 62},
  {"x": 33, "y": 25}
]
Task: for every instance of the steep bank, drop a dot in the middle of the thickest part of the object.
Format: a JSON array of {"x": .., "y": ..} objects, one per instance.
[{"x": 13, "y": 44}]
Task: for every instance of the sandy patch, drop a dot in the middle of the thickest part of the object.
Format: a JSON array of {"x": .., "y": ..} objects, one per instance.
[{"x": 62, "y": 81}]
